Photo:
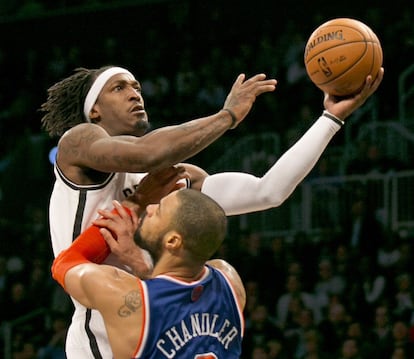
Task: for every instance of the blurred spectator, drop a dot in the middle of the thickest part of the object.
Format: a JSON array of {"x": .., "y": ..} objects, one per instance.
[
  {"x": 296, "y": 336},
  {"x": 313, "y": 349},
  {"x": 18, "y": 303},
  {"x": 380, "y": 330},
  {"x": 350, "y": 349},
  {"x": 4, "y": 278},
  {"x": 389, "y": 254},
  {"x": 333, "y": 328},
  {"x": 60, "y": 301},
  {"x": 366, "y": 292},
  {"x": 399, "y": 339},
  {"x": 253, "y": 254},
  {"x": 343, "y": 262},
  {"x": 275, "y": 261},
  {"x": 260, "y": 328},
  {"x": 40, "y": 284},
  {"x": 327, "y": 284},
  {"x": 405, "y": 261},
  {"x": 55, "y": 346},
  {"x": 306, "y": 252},
  {"x": 362, "y": 232},
  {"x": 259, "y": 352},
  {"x": 293, "y": 301},
  {"x": 358, "y": 332},
  {"x": 27, "y": 351},
  {"x": 400, "y": 353},
  {"x": 276, "y": 349},
  {"x": 252, "y": 298},
  {"x": 403, "y": 298}
]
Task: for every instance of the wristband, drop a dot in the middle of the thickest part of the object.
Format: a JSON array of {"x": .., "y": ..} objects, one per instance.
[
  {"x": 89, "y": 246},
  {"x": 233, "y": 118},
  {"x": 333, "y": 118}
]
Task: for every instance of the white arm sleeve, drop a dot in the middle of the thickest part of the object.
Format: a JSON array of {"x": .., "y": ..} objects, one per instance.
[{"x": 240, "y": 193}]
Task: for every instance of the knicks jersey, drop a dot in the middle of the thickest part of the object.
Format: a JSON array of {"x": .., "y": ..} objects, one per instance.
[
  {"x": 198, "y": 320},
  {"x": 72, "y": 208}
]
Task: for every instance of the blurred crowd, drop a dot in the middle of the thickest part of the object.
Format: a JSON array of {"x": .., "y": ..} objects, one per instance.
[
  {"x": 333, "y": 299},
  {"x": 346, "y": 296}
]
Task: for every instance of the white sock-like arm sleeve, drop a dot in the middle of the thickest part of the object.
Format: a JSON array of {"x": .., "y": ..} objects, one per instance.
[{"x": 240, "y": 193}]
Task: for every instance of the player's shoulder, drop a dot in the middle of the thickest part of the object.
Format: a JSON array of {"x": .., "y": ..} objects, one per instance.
[
  {"x": 82, "y": 132},
  {"x": 227, "y": 269},
  {"x": 232, "y": 277},
  {"x": 83, "y": 129}
]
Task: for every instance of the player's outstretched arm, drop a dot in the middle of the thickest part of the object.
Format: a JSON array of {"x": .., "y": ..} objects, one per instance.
[
  {"x": 240, "y": 193},
  {"x": 89, "y": 146}
]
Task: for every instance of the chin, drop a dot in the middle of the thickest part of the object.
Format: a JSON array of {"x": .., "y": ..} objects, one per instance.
[{"x": 142, "y": 126}]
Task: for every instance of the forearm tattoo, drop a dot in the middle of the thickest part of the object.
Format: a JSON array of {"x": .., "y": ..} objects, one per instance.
[{"x": 132, "y": 303}]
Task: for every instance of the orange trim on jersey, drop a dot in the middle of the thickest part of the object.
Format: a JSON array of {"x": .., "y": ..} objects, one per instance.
[
  {"x": 144, "y": 319},
  {"x": 236, "y": 299},
  {"x": 202, "y": 275}
]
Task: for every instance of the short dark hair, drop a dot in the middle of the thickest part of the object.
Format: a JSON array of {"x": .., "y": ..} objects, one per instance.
[{"x": 201, "y": 222}]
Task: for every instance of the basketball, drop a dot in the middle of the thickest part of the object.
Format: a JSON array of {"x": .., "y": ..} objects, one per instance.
[{"x": 340, "y": 54}]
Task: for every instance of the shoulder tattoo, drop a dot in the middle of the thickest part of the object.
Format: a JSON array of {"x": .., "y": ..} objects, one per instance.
[{"x": 131, "y": 304}]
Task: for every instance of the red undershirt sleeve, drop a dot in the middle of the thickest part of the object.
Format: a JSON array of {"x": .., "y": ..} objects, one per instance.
[{"x": 90, "y": 246}]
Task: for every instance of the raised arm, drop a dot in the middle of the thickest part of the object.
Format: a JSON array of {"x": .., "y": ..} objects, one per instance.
[
  {"x": 89, "y": 146},
  {"x": 241, "y": 193}
]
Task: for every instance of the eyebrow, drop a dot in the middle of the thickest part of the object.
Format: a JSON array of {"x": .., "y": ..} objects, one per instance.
[{"x": 132, "y": 82}]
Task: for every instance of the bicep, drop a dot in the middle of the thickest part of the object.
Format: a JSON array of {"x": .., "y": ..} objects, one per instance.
[
  {"x": 82, "y": 282},
  {"x": 90, "y": 146}
]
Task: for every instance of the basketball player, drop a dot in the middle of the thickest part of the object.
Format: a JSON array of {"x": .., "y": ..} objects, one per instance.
[
  {"x": 104, "y": 152},
  {"x": 190, "y": 308},
  {"x": 105, "y": 147}
]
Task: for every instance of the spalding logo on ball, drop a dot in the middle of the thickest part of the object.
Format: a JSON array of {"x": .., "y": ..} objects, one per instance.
[{"x": 340, "y": 54}]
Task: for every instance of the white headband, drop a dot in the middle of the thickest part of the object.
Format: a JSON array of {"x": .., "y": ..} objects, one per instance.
[{"x": 97, "y": 86}]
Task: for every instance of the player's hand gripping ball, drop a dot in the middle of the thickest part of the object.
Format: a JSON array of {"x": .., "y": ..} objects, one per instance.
[{"x": 340, "y": 54}]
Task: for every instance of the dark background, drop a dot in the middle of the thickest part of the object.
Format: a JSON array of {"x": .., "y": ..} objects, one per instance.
[
  {"x": 213, "y": 41},
  {"x": 206, "y": 43}
]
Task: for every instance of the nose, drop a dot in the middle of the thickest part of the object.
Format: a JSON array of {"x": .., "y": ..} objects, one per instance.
[{"x": 134, "y": 94}]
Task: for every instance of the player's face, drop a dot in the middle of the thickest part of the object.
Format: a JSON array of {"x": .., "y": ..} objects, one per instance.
[
  {"x": 155, "y": 224},
  {"x": 120, "y": 107}
]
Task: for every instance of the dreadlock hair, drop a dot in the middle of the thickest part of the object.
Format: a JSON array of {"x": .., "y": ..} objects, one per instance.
[{"x": 64, "y": 105}]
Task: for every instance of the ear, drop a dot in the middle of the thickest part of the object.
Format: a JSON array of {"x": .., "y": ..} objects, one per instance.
[
  {"x": 94, "y": 114},
  {"x": 173, "y": 240}
]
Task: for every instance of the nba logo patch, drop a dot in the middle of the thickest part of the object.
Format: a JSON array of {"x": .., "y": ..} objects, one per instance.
[{"x": 196, "y": 293}]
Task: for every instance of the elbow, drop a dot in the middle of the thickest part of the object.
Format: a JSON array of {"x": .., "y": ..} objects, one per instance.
[{"x": 272, "y": 200}]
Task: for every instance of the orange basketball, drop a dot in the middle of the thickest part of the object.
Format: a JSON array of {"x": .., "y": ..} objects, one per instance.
[{"x": 340, "y": 54}]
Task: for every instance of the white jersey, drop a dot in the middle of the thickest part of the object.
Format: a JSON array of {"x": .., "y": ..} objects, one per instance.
[{"x": 72, "y": 208}]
